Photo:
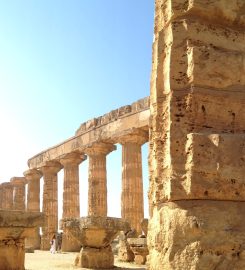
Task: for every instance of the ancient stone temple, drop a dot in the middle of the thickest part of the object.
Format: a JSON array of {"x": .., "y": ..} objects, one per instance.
[
  {"x": 197, "y": 136},
  {"x": 95, "y": 140}
]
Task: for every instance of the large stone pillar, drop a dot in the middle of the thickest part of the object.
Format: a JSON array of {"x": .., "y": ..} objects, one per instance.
[
  {"x": 33, "y": 204},
  {"x": 71, "y": 197},
  {"x": 97, "y": 190},
  {"x": 19, "y": 192},
  {"x": 50, "y": 202},
  {"x": 197, "y": 140},
  {"x": 132, "y": 198},
  {"x": 7, "y": 196}
]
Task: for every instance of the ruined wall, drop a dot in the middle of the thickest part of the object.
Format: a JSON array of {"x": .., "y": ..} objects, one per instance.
[{"x": 197, "y": 135}]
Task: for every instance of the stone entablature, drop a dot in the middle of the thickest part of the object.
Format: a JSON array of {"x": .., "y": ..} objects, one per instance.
[
  {"x": 124, "y": 111},
  {"x": 107, "y": 128}
]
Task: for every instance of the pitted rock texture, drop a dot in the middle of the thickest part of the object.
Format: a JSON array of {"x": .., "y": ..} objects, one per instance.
[
  {"x": 197, "y": 133},
  {"x": 198, "y": 234}
]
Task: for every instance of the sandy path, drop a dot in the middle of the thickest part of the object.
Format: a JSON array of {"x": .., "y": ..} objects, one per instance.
[{"x": 44, "y": 260}]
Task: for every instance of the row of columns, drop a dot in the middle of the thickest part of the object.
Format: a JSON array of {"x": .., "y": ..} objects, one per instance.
[{"x": 132, "y": 186}]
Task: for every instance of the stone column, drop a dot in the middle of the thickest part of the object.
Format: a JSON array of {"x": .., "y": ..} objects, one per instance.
[
  {"x": 7, "y": 198},
  {"x": 97, "y": 190},
  {"x": 19, "y": 192},
  {"x": 33, "y": 204},
  {"x": 71, "y": 197},
  {"x": 132, "y": 198},
  {"x": 50, "y": 202},
  {"x": 197, "y": 140}
]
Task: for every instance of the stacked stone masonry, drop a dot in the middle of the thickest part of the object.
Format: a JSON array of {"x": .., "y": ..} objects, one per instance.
[{"x": 197, "y": 136}]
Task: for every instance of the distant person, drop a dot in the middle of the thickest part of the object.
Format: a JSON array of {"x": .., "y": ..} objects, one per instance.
[
  {"x": 53, "y": 244},
  {"x": 59, "y": 241}
]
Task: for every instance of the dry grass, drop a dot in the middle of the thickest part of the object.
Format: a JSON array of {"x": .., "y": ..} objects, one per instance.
[{"x": 44, "y": 260}]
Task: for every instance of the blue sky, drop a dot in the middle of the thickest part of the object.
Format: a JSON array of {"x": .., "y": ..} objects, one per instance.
[{"x": 62, "y": 63}]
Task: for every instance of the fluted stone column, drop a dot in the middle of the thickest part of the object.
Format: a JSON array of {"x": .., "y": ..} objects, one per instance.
[
  {"x": 50, "y": 202},
  {"x": 19, "y": 192},
  {"x": 132, "y": 200},
  {"x": 33, "y": 204},
  {"x": 71, "y": 198},
  {"x": 7, "y": 198},
  {"x": 97, "y": 190},
  {"x": 197, "y": 140}
]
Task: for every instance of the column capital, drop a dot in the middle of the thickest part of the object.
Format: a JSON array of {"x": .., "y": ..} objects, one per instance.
[
  {"x": 7, "y": 185},
  {"x": 137, "y": 136},
  {"x": 100, "y": 148},
  {"x": 32, "y": 174},
  {"x": 18, "y": 181},
  {"x": 72, "y": 159},
  {"x": 51, "y": 167}
]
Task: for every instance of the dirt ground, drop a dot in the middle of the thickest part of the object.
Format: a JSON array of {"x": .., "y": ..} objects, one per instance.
[{"x": 44, "y": 260}]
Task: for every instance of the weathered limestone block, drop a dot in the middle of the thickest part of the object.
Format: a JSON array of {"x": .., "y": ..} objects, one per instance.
[
  {"x": 95, "y": 258},
  {"x": 97, "y": 190},
  {"x": 15, "y": 226},
  {"x": 197, "y": 135},
  {"x": 125, "y": 253},
  {"x": 132, "y": 201},
  {"x": 139, "y": 248},
  {"x": 33, "y": 205},
  {"x": 50, "y": 202},
  {"x": 214, "y": 169},
  {"x": 71, "y": 196},
  {"x": 198, "y": 234},
  {"x": 216, "y": 166},
  {"x": 19, "y": 192},
  {"x": 95, "y": 235}
]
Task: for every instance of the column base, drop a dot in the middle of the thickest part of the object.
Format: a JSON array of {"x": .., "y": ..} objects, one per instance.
[
  {"x": 70, "y": 244},
  {"x": 96, "y": 258},
  {"x": 32, "y": 243},
  {"x": 197, "y": 235},
  {"x": 12, "y": 254}
]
